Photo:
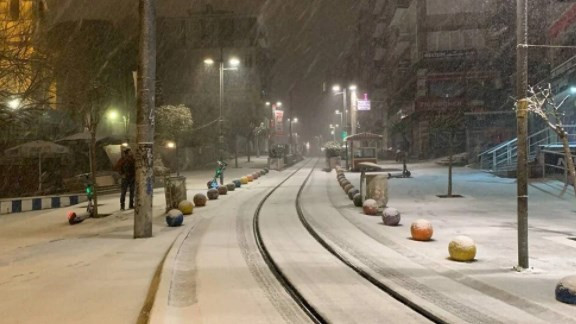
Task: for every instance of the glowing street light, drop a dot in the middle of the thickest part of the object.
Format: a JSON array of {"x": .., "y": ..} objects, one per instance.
[
  {"x": 209, "y": 61},
  {"x": 14, "y": 103},
  {"x": 234, "y": 62},
  {"x": 113, "y": 114}
]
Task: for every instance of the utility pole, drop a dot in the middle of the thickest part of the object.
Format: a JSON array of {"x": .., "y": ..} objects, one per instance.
[
  {"x": 145, "y": 120},
  {"x": 345, "y": 112},
  {"x": 522, "y": 131},
  {"x": 220, "y": 104},
  {"x": 353, "y": 107},
  {"x": 291, "y": 104}
]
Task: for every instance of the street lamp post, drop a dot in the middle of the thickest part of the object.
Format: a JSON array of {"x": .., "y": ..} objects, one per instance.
[
  {"x": 234, "y": 63},
  {"x": 291, "y": 121},
  {"x": 353, "y": 104},
  {"x": 333, "y": 131},
  {"x": 338, "y": 112},
  {"x": 350, "y": 127},
  {"x": 339, "y": 91}
]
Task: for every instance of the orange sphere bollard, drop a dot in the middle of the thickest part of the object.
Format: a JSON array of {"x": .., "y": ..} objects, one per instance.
[{"x": 421, "y": 230}]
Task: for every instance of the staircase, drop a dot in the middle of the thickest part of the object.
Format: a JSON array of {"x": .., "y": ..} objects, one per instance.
[{"x": 503, "y": 157}]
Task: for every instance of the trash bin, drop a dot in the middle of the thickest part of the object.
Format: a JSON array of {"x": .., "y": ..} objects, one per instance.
[{"x": 175, "y": 191}]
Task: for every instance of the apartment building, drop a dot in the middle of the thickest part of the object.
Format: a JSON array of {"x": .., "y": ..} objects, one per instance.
[{"x": 430, "y": 58}]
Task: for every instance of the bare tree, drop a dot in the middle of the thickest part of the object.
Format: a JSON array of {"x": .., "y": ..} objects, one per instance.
[
  {"x": 91, "y": 61},
  {"x": 25, "y": 75},
  {"x": 448, "y": 122},
  {"x": 543, "y": 103}
]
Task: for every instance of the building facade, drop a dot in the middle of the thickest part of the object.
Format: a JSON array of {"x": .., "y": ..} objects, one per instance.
[{"x": 426, "y": 63}]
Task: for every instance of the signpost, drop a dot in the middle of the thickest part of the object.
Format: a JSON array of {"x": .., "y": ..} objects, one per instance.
[{"x": 363, "y": 105}]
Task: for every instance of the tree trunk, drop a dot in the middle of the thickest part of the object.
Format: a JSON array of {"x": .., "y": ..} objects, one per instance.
[
  {"x": 177, "y": 157},
  {"x": 248, "y": 149},
  {"x": 568, "y": 158},
  {"x": 236, "y": 151},
  {"x": 450, "y": 156},
  {"x": 93, "y": 169},
  {"x": 257, "y": 146}
]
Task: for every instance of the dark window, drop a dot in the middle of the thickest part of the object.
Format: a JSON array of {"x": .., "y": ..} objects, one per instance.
[{"x": 14, "y": 9}]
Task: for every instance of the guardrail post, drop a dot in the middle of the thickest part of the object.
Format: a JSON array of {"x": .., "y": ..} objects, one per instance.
[{"x": 494, "y": 161}]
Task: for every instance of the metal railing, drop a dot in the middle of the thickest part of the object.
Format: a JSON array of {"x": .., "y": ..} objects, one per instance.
[{"x": 504, "y": 156}]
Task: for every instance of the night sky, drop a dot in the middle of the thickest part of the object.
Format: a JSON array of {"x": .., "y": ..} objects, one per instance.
[{"x": 307, "y": 39}]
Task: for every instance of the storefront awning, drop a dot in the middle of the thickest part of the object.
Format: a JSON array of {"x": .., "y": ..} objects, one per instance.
[{"x": 363, "y": 137}]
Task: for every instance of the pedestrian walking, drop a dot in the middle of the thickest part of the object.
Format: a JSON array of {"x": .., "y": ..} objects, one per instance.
[{"x": 126, "y": 166}]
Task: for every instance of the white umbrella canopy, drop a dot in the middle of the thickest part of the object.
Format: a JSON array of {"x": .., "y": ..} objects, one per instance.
[
  {"x": 86, "y": 136},
  {"x": 36, "y": 149},
  {"x": 82, "y": 136}
]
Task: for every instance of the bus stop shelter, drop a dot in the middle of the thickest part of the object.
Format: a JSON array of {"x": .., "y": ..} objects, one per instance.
[{"x": 362, "y": 147}]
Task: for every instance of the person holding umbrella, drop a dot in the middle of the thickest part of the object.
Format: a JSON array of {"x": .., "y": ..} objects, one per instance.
[{"x": 126, "y": 166}]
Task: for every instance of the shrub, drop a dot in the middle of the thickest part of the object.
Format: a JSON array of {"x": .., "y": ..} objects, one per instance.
[{"x": 332, "y": 149}]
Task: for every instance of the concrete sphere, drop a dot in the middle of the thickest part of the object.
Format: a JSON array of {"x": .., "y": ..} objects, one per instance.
[
  {"x": 199, "y": 200},
  {"x": 421, "y": 230},
  {"x": 174, "y": 218},
  {"x": 462, "y": 248},
  {"x": 266, "y": 170},
  {"x": 237, "y": 183},
  {"x": 244, "y": 180},
  {"x": 352, "y": 192},
  {"x": 342, "y": 182},
  {"x": 348, "y": 187},
  {"x": 213, "y": 194},
  {"x": 250, "y": 178},
  {"x": 357, "y": 199},
  {"x": 186, "y": 207},
  {"x": 566, "y": 290},
  {"x": 256, "y": 175},
  {"x": 231, "y": 186},
  {"x": 391, "y": 216},
  {"x": 370, "y": 207},
  {"x": 262, "y": 172},
  {"x": 222, "y": 190}
]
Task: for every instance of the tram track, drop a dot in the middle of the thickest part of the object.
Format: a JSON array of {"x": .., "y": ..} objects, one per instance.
[
  {"x": 364, "y": 274},
  {"x": 306, "y": 306}
]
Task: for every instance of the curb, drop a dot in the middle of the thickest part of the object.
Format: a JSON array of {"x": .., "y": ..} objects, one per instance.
[{"x": 18, "y": 205}]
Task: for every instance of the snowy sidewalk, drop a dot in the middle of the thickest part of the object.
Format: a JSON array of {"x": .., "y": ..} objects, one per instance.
[
  {"x": 487, "y": 214},
  {"x": 93, "y": 272}
]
